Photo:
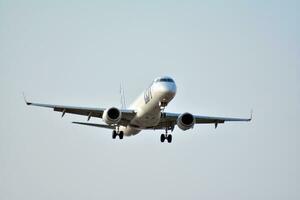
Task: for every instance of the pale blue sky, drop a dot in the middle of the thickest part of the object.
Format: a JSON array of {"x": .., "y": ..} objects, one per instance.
[{"x": 227, "y": 57}]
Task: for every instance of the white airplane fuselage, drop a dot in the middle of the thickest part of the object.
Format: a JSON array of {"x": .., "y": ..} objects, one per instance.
[{"x": 148, "y": 106}]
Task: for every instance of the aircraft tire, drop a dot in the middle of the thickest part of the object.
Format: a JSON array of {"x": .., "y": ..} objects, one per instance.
[
  {"x": 169, "y": 138},
  {"x": 162, "y": 138},
  {"x": 121, "y": 135},
  {"x": 114, "y": 134}
]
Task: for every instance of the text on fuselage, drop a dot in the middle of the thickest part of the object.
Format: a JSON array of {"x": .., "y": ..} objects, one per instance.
[{"x": 148, "y": 95}]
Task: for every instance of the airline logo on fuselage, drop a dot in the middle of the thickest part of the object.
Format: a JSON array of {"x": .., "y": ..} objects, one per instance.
[{"x": 148, "y": 95}]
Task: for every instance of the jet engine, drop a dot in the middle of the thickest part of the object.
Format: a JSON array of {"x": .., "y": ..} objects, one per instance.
[
  {"x": 112, "y": 116},
  {"x": 186, "y": 121}
]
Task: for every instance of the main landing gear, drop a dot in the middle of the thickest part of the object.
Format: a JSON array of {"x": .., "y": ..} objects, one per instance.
[
  {"x": 165, "y": 136},
  {"x": 117, "y": 133}
]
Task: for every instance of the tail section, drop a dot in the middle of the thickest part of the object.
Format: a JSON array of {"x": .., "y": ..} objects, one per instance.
[{"x": 122, "y": 97}]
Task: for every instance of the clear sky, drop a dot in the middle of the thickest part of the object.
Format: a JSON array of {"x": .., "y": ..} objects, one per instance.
[{"x": 227, "y": 58}]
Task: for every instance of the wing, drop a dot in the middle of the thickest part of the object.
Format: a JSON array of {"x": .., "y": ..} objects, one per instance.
[
  {"x": 169, "y": 120},
  {"x": 127, "y": 115}
]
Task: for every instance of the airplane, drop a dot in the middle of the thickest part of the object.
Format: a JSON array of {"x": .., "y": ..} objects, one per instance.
[{"x": 145, "y": 113}]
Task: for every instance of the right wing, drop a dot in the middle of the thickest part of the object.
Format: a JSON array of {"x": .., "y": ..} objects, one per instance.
[
  {"x": 169, "y": 120},
  {"x": 206, "y": 119}
]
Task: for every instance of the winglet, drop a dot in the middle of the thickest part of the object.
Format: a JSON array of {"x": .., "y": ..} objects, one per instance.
[
  {"x": 251, "y": 115},
  {"x": 27, "y": 103}
]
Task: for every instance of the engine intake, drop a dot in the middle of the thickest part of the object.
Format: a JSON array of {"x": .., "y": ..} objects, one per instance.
[
  {"x": 186, "y": 121},
  {"x": 112, "y": 116}
]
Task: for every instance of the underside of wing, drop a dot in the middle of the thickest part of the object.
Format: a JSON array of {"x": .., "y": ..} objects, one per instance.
[
  {"x": 127, "y": 115},
  {"x": 202, "y": 119},
  {"x": 87, "y": 111},
  {"x": 169, "y": 120},
  {"x": 209, "y": 120}
]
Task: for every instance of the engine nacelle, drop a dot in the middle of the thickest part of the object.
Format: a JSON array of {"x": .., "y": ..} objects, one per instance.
[
  {"x": 186, "y": 121},
  {"x": 112, "y": 116}
]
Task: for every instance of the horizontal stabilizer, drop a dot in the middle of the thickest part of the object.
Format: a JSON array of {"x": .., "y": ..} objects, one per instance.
[{"x": 95, "y": 125}]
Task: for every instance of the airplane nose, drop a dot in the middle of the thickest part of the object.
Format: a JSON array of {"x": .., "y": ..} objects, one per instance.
[{"x": 168, "y": 89}]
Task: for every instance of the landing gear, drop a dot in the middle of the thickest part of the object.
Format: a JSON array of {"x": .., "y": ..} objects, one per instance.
[
  {"x": 162, "y": 137},
  {"x": 114, "y": 134},
  {"x": 165, "y": 136},
  {"x": 121, "y": 135},
  {"x": 117, "y": 133},
  {"x": 169, "y": 138},
  {"x": 163, "y": 105}
]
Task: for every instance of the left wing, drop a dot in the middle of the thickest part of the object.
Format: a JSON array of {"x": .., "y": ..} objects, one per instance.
[
  {"x": 93, "y": 112},
  {"x": 127, "y": 115}
]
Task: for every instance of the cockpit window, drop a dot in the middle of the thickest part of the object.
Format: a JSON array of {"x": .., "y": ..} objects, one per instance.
[{"x": 164, "y": 80}]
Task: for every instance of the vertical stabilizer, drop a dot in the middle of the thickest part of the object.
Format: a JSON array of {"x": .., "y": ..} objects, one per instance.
[{"x": 122, "y": 97}]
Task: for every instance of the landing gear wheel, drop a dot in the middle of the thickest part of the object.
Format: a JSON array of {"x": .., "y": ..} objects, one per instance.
[
  {"x": 114, "y": 134},
  {"x": 121, "y": 135},
  {"x": 169, "y": 138},
  {"x": 162, "y": 138}
]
